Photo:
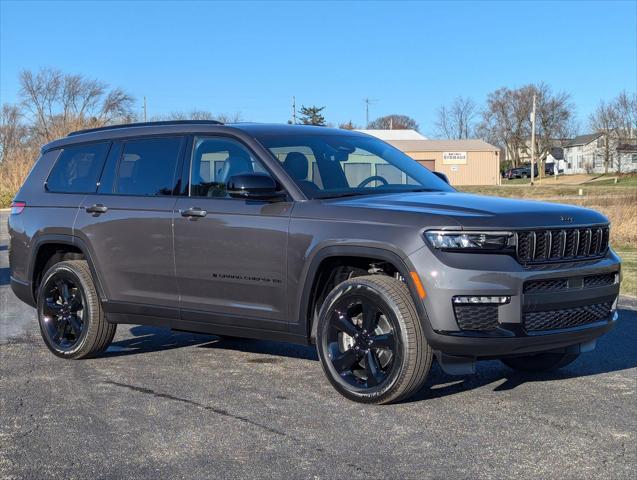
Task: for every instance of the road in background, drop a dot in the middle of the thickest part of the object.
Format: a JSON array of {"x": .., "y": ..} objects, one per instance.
[{"x": 160, "y": 404}]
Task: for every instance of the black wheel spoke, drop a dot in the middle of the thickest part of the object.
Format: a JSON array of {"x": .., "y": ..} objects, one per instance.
[
  {"x": 370, "y": 317},
  {"x": 53, "y": 306},
  {"x": 63, "y": 289},
  {"x": 76, "y": 302},
  {"x": 374, "y": 373},
  {"x": 61, "y": 330},
  {"x": 344, "y": 324},
  {"x": 76, "y": 325},
  {"x": 346, "y": 360},
  {"x": 385, "y": 341}
]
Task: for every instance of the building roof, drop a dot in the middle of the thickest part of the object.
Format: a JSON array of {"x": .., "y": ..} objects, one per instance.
[
  {"x": 397, "y": 134},
  {"x": 583, "y": 140},
  {"x": 470, "y": 145}
]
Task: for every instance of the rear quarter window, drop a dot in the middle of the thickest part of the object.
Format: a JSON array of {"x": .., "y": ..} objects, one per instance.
[{"x": 78, "y": 168}]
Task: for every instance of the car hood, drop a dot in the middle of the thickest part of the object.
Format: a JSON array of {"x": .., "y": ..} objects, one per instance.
[{"x": 479, "y": 211}]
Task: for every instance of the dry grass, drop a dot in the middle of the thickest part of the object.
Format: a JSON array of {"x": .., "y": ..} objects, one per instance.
[{"x": 617, "y": 202}]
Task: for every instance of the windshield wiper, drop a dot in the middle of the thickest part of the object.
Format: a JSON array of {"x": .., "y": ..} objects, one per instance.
[{"x": 340, "y": 195}]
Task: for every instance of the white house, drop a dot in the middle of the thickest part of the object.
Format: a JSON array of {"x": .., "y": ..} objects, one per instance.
[{"x": 585, "y": 154}]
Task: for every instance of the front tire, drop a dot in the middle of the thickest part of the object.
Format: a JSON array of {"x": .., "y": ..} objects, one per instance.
[
  {"x": 540, "y": 362},
  {"x": 70, "y": 314},
  {"x": 370, "y": 340}
]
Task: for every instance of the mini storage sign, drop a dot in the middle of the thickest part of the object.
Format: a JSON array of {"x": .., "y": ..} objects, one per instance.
[{"x": 454, "y": 158}]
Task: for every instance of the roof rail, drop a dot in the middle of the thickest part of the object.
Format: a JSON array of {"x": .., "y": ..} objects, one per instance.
[{"x": 146, "y": 124}]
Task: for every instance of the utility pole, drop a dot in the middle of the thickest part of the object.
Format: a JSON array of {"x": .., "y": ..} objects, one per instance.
[
  {"x": 293, "y": 110},
  {"x": 367, "y": 102},
  {"x": 145, "y": 110},
  {"x": 533, "y": 141}
]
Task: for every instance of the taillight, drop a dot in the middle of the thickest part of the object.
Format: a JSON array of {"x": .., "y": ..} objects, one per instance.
[{"x": 17, "y": 207}]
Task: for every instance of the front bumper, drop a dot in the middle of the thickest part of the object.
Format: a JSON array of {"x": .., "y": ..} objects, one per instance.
[{"x": 446, "y": 275}]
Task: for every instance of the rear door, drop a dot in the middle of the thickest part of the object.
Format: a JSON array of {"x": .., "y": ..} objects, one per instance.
[
  {"x": 128, "y": 225},
  {"x": 230, "y": 253}
]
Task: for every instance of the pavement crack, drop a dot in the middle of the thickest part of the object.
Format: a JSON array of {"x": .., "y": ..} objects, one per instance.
[{"x": 218, "y": 411}]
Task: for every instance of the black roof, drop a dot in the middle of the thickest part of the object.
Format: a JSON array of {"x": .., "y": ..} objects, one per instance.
[
  {"x": 146, "y": 124},
  {"x": 583, "y": 139},
  {"x": 190, "y": 126}
]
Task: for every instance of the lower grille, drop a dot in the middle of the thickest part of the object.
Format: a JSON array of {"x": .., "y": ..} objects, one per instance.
[
  {"x": 476, "y": 317},
  {"x": 566, "y": 318},
  {"x": 541, "y": 286},
  {"x": 560, "y": 284},
  {"x": 599, "y": 280}
]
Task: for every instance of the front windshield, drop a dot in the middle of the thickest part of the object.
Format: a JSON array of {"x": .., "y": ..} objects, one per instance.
[{"x": 333, "y": 165}]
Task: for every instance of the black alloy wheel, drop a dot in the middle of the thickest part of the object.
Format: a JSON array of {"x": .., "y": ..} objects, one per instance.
[
  {"x": 370, "y": 340},
  {"x": 63, "y": 311},
  {"x": 70, "y": 313},
  {"x": 361, "y": 342}
]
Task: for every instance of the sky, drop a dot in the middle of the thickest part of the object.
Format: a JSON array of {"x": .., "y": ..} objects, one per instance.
[{"x": 253, "y": 57}]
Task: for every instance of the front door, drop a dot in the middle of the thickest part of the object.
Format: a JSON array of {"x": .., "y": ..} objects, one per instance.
[{"x": 230, "y": 254}]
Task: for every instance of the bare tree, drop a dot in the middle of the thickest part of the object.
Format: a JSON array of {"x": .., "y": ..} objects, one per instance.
[
  {"x": 506, "y": 120},
  {"x": 504, "y": 123},
  {"x": 60, "y": 103},
  {"x": 394, "y": 122},
  {"x": 457, "y": 120},
  {"x": 17, "y": 151},
  {"x": 554, "y": 120},
  {"x": 199, "y": 115},
  {"x": 348, "y": 126},
  {"x": 604, "y": 121}
]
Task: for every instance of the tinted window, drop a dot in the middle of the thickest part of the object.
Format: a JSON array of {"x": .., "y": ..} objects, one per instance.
[
  {"x": 78, "y": 168},
  {"x": 332, "y": 165},
  {"x": 147, "y": 166},
  {"x": 214, "y": 161}
]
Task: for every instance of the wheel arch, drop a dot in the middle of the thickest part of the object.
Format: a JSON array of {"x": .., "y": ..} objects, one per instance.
[
  {"x": 309, "y": 294},
  {"x": 45, "y": 247}
]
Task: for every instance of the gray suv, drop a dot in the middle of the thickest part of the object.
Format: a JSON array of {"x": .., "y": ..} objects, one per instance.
[{"x": 309, "y": 235}]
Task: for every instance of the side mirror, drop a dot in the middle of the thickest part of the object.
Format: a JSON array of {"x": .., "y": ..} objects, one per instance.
[
  {"x": 441, "y": 176},
  {"x": 256, "y": 186}
]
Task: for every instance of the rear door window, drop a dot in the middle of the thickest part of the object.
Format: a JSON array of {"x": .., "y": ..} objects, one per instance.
[
  {"x": 148, "y": 166},
  {"x": 78, "y": 168}
]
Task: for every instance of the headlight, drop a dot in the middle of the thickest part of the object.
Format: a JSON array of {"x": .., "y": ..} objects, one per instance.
[{"x": 470, "y": 241}]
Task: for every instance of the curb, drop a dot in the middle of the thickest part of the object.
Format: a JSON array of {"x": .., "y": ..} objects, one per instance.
[{"x": 628, "y": 301}]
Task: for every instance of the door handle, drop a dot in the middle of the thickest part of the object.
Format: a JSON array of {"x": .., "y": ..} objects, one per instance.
[
  {"x": 96, "y": 209},
  {"x": 193, "y": 212}
]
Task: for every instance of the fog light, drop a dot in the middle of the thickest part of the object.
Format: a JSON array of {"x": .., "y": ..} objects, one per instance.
[{"x": 482, "y": 300}]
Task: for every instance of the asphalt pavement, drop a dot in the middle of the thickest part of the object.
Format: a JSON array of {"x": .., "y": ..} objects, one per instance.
[{"x": 160, "y": 404}]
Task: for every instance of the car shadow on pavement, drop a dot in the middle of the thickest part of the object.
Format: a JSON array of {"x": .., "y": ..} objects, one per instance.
[
  {"x": 263, "y": 347},
  {"x": 151, "y": 339},
  {"x": 615, "y": 352}
]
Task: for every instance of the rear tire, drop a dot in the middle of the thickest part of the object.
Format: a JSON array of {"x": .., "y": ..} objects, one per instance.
[
  {"x": 370, "y": 340},
  {"x": 70, "y": 314},
  {"x": 541, "y": 362}
]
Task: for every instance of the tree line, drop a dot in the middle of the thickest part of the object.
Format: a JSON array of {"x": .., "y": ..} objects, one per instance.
[{"x": 52, "y": 104}]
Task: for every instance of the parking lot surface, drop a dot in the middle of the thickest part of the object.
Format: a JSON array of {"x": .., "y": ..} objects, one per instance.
[{"x": 160, "y": 404}]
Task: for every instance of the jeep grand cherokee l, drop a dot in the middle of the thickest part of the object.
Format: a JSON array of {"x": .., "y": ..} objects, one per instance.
[{"x": 308, "y": 235}]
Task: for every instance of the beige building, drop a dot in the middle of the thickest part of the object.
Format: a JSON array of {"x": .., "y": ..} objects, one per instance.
[{"x": 465, "y": 162}]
